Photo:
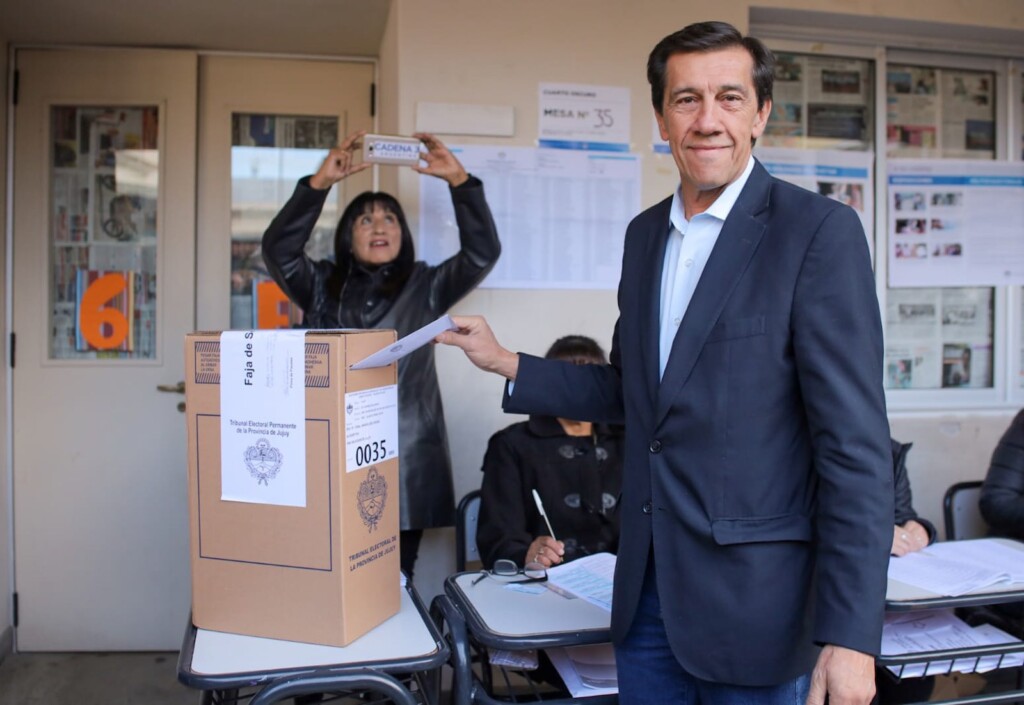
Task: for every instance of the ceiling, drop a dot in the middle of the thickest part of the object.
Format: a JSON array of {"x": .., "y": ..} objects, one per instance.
[{"x": 327, "y": 27}]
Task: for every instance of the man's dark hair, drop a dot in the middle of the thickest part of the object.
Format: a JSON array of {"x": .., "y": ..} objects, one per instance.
[
  {"x": 709, "y": 36},
  {"x": 577, "y": 349}
]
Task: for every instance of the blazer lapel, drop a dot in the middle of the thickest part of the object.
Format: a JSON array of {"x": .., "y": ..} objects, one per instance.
[
  {"x": 736, "y": 245},
  {"x": 650, "y": 295}
]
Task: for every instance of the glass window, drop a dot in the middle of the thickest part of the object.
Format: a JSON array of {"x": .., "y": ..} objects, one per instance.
[
  {"x": 821, "y": 102},
  {"x": 269, "y": 154},
  {"x": 104, "y": 182}
]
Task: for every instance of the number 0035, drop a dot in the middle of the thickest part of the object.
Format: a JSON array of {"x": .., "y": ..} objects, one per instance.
[{"x": 370, "y": 453}]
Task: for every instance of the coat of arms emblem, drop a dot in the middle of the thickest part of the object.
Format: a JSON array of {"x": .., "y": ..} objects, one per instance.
[
  {"x": 371, "y": 498},
  {"x": 263, "y": 461}
]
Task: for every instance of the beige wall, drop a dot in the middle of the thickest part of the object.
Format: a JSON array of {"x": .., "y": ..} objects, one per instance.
[{"x": 496, "y": 52}]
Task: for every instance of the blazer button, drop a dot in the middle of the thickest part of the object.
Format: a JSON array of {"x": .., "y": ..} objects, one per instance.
[
  {"x": 655, "y": 446},
  {"x": 647, "y": 508}
]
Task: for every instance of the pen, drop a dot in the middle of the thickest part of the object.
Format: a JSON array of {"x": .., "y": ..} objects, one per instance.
[{"x": 540, "y": 508}]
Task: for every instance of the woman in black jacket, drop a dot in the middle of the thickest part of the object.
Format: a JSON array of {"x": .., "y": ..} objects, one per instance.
[
  {"x": 1002, "y": 494},
  {"x": 375, "y": 281},
  {"x": 576, "y": 469}
]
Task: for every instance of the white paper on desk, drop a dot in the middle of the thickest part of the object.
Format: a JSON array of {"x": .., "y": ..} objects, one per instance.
[
  {"x": 589, "y": 578},
  {"x": 983, "y": 553},
  {"x": 586, "y": 670},
  {"x": 991, "y": 635},
  {"x": 937, "y": 630},
  {"x": 941, "y": 575},
  {"x": 402, "y": 347},
  {"x": 927, "y": 631}
]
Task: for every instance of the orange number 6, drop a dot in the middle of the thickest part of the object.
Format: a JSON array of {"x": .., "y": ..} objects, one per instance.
[{"x": 102, "y": 327}]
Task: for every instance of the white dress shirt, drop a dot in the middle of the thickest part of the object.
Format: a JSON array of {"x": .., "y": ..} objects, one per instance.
[{"x": 689, "y": 246}]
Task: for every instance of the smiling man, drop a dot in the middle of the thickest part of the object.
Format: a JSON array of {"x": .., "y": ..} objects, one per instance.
[{"x": 746, "y": 363}]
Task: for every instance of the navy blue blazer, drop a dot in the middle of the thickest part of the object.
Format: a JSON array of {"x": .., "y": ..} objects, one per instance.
[{"x": 758, "y": 471}]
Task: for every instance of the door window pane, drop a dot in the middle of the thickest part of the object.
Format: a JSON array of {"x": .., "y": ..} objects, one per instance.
[
  {"x": 104, "y": 180},
  {"x": 821, "y": 102},
  {"x": 269, "y": 154},
  {"x": 939, "y": 338},
  {"x": 933, "y": 112}
]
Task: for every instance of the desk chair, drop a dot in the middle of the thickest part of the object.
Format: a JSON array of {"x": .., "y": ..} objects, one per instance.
[
  {"x": 960, "y": 511},
  {"x": 466, "y": 520}
]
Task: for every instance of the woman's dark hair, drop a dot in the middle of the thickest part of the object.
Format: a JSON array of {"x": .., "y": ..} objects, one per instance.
[
  {"x": 709, "y": 36},
  {"x": 577, "y": 349},
  {"x": 395, "y": 272}
]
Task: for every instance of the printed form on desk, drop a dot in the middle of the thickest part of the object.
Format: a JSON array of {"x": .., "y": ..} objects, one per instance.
[
  {"x": 937, "y": 630},
  {"x": 589, "y": 578},
  {"x": 957, "y": 567}
]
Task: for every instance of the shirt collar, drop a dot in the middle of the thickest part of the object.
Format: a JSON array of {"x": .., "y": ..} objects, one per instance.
[{"x": 719, "y": 209}]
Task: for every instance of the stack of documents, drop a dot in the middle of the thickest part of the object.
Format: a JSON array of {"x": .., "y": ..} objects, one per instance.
[
  {"x": 955, "y": 568},
  {"x": 586, "y": 670},
  {"x": 937, "y": 630},
  {"x": 589, "y": 578}
]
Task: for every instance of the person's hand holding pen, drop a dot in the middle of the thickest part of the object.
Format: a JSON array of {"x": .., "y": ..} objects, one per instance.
[{"x": 546, "y": 551}]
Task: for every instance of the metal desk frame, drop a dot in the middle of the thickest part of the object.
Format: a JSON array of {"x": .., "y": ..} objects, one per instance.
[
  {"x": 353, "y": 673},
  {"x": 487, "y": 615},
  {"x": 901, "y": 597}
]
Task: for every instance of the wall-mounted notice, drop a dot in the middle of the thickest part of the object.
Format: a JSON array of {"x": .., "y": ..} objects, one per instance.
[
  {"x": 576, "y": 116},
  {"x": 561, "y": 215},
  {"x": 263, "y": 417},
  {"x": 840, "y": 175},
  {"x": 955, "y": 223},
  {"x": 938, "y": 338}
]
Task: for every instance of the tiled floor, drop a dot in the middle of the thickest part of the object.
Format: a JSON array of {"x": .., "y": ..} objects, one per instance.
[{"x": 93, "y": 679}]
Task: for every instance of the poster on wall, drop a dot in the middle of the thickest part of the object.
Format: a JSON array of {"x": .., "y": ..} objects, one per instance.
[
  {"x": 955, "y": 223},
  {"x": 846, "y": 177},
  {"x": 820, "y": 102},
  {"x": 934, "y": 112},
  {"x": 578, "y": 116},
  {"x": 938, "y": 338},
  {"x": 561, "y": 214}
]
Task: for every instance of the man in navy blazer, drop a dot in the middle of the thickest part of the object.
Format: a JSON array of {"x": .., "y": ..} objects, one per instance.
[{"x": 746, "y": 364}]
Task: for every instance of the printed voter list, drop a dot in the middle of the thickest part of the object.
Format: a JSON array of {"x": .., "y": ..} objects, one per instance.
[{"x": 263, "y": 417}]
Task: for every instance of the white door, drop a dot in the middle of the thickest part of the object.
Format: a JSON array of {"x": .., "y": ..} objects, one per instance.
[
  {"x": 264, "y": 123},
  {"x": 104, "y": 282}
]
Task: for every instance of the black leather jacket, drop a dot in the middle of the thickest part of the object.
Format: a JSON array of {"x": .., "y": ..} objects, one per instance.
[
  {"x": 1002, "y": 494},
  {"x": 427, "y": 494}
]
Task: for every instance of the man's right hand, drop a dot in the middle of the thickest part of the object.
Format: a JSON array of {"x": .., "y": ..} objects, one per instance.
[
  {"x": 477, "y": 340},
  {"x": 338, "y": 163}
]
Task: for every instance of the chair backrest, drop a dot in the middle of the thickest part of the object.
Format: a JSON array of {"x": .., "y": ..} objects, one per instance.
[
  {"x": 467, "y": 516},
  {"x": 961, "y": 513}
]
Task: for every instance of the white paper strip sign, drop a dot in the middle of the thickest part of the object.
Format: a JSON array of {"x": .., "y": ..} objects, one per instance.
[
  {"x": 371, "y": 427},
  {"x": 263, "y": 417}
]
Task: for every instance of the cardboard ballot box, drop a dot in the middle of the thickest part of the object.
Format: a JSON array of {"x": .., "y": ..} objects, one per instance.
[{"x": 304, "y": 549}]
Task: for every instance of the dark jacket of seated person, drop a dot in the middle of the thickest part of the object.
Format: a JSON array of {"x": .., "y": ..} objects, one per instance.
[
  {"x": 575, "y": 467},
  {"x": 1002, "y": 494},
  {"x": 910, "y": 531}
]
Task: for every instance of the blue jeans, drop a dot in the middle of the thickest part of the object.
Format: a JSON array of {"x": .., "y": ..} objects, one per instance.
[{"x": 649, "y": 673}]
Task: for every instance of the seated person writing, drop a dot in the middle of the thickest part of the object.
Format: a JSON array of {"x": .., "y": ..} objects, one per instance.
[{"x": 576, "y": 468}]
